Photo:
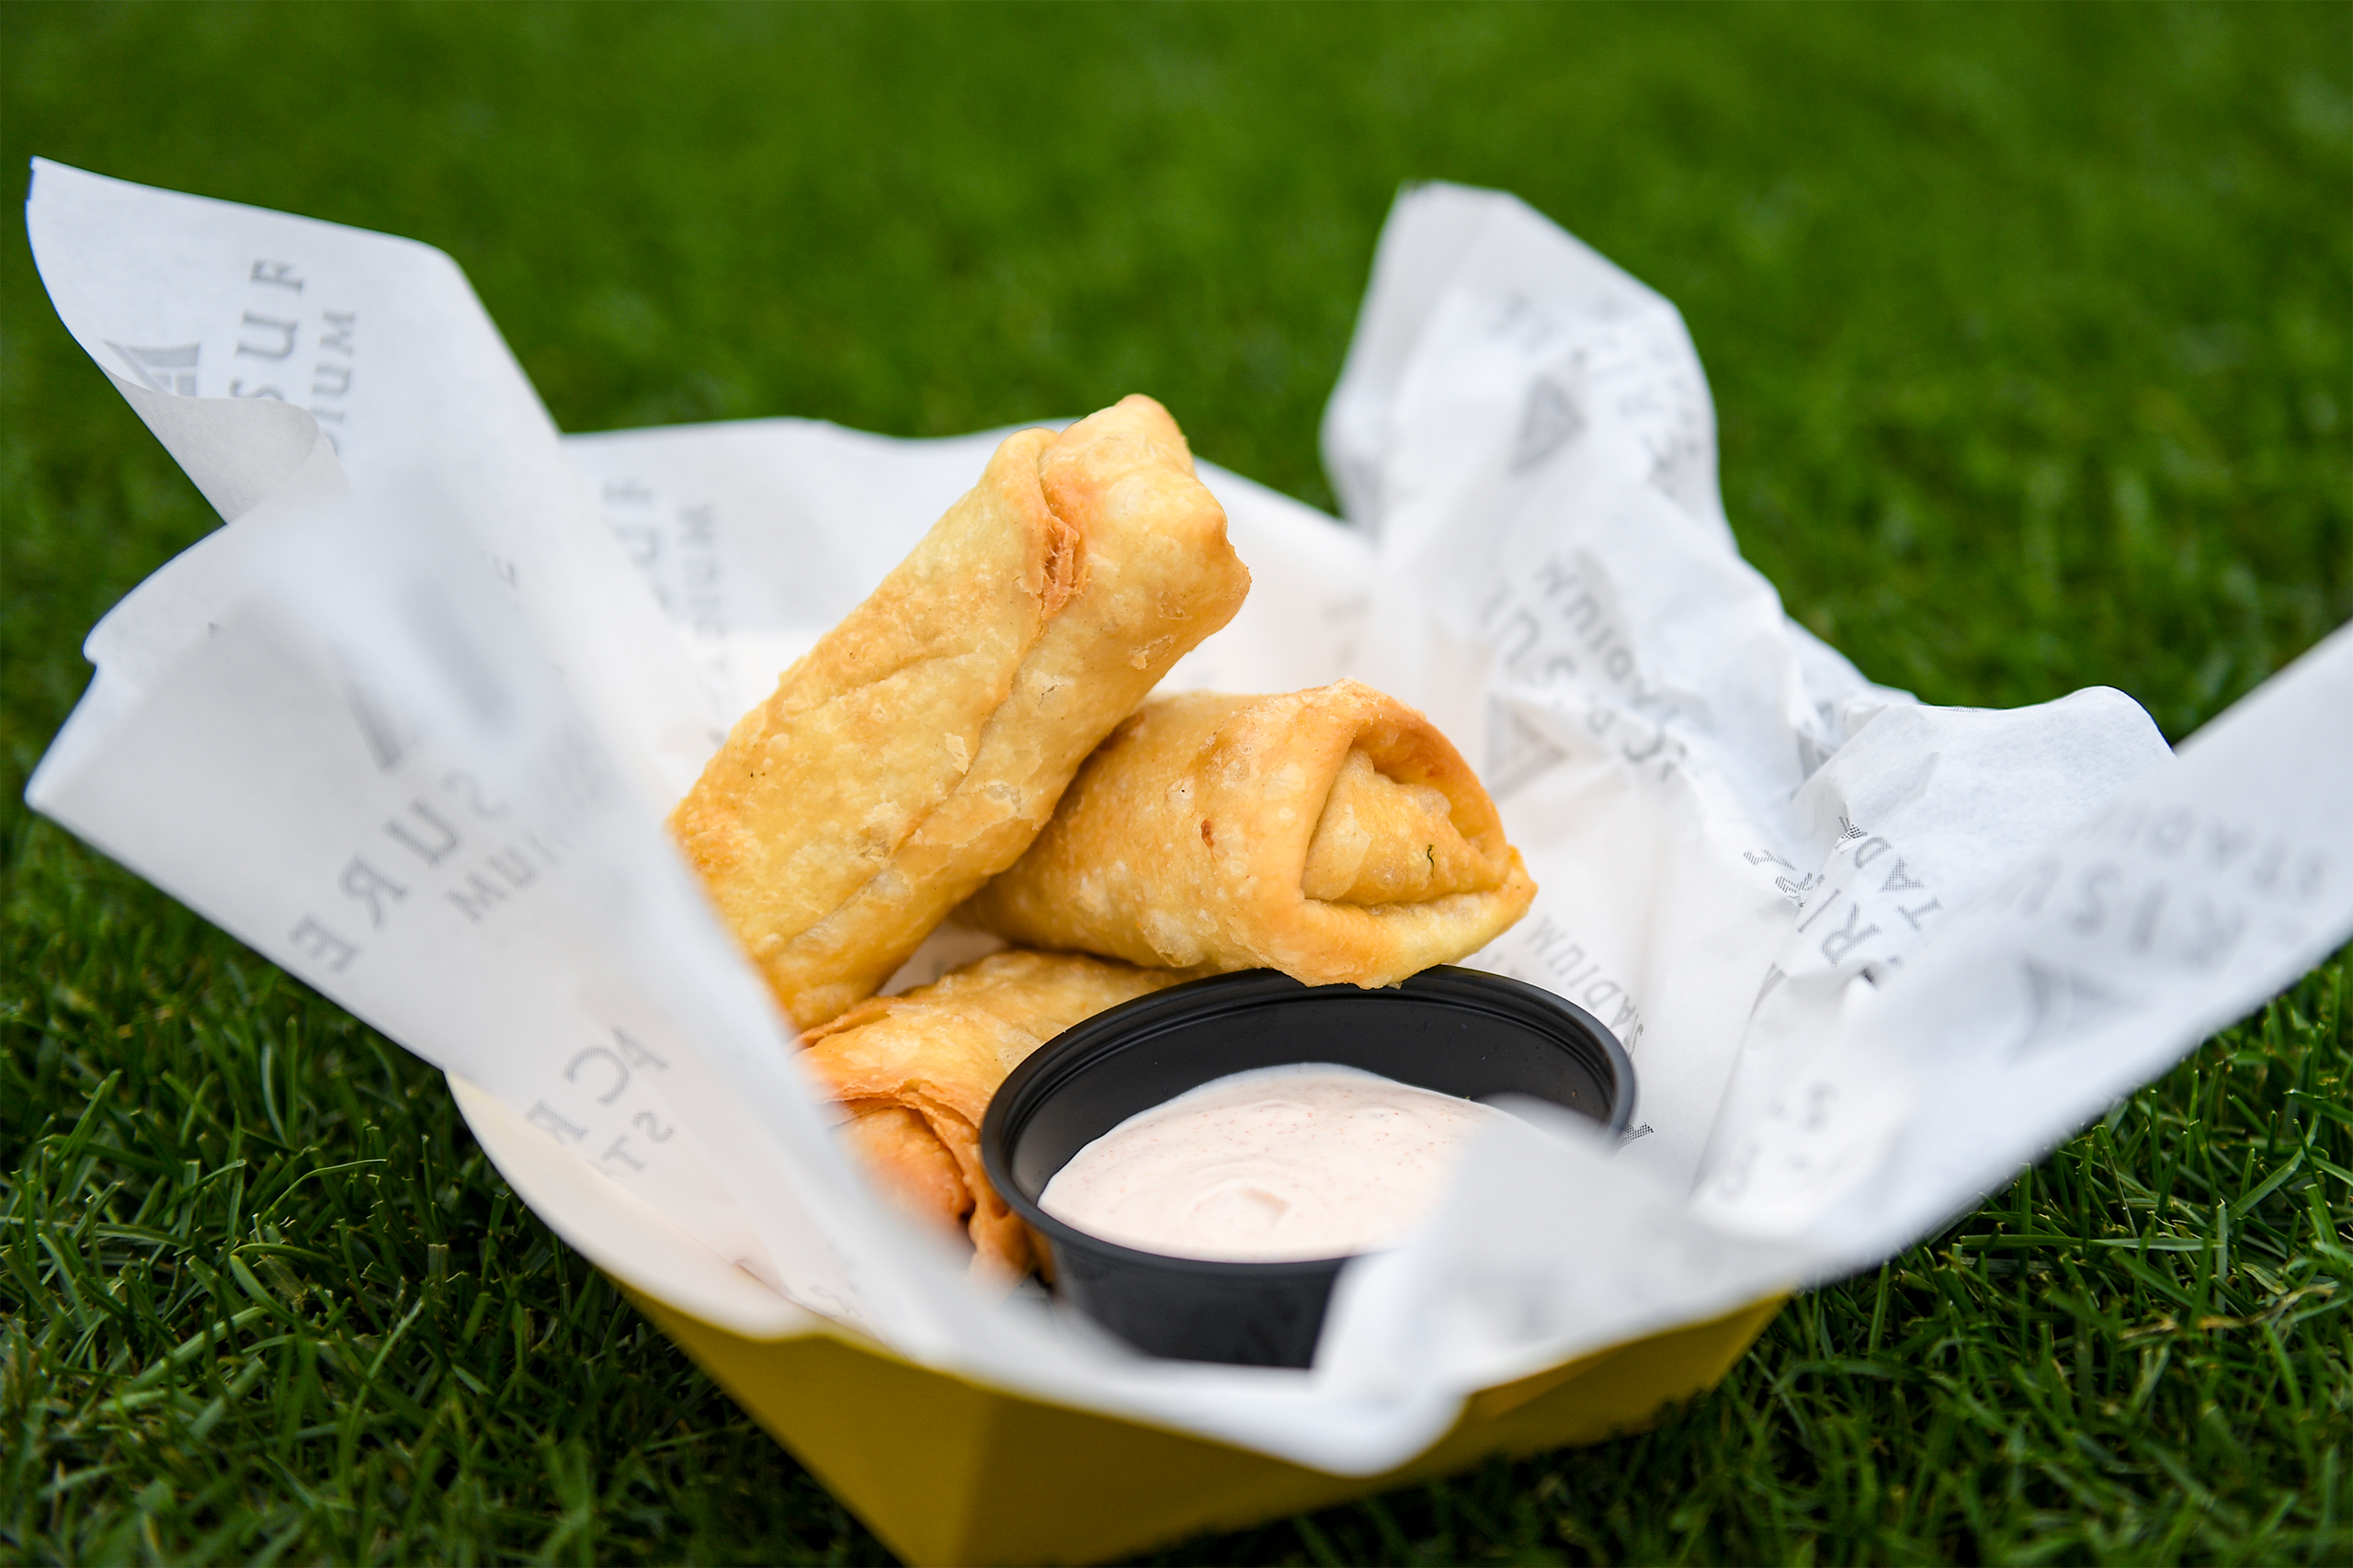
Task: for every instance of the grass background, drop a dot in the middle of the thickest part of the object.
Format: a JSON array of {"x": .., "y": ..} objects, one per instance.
[{"x": 2031, "y": 337}]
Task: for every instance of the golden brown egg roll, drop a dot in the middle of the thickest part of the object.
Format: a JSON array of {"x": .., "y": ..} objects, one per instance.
[
  {"x": 921, "y": 744},
  {"x": 913, "y": 1075},
  {"x": 1331, "y": 834}
]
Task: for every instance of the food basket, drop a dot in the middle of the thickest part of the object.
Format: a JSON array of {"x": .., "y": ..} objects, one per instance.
[
  {"x": 949, "y": 1471},
  {"x": 407, "y": 724}
]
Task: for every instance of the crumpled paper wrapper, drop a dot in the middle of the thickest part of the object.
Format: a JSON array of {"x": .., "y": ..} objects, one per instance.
[{"x": 407, "y": 725}]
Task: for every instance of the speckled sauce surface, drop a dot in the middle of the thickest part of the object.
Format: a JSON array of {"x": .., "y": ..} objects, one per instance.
[{"x": 1302, "y": 1161}]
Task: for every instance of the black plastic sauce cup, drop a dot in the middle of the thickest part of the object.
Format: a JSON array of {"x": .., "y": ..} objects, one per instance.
[{"x": 1455, "y": 1030}]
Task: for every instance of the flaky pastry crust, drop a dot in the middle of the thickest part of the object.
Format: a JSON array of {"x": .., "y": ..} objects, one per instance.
[
  {"x": 913, "y": 1076},
  {"x": 923, "y": 743},
  {"x": 1332, "y": 833}
]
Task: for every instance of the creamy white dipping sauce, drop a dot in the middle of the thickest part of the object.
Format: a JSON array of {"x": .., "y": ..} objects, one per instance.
[{"x": 1302, "y": 1161}]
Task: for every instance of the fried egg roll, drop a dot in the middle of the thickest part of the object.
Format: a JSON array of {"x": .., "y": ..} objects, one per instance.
[
  {"x": 914, "y": 1074},
  {"x": 1331, "y": 834},
  {"x": 922, "y": 744}
]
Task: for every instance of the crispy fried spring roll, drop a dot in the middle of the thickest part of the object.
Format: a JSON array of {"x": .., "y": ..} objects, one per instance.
[
  {"x": 920, "y": 747},
  {"x": 1332, "y": 833},
  {"x": 913, "y": 1075}
]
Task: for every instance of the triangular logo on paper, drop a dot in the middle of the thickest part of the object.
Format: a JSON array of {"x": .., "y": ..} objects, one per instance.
[
  {"x": 2063, "y": 1004},
  {"x": 1517, "y": 751},
  {"x": 1550, "y": 422},
  {"x": 389, "y": 731},
  {"x": 165, "y": 370}
]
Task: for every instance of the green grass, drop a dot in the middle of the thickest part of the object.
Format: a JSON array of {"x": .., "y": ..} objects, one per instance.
[{"x": 2031, "y": 337}]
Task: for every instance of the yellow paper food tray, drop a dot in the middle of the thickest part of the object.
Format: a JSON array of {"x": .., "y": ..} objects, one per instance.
[{"x": 949, "y": 1471}]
